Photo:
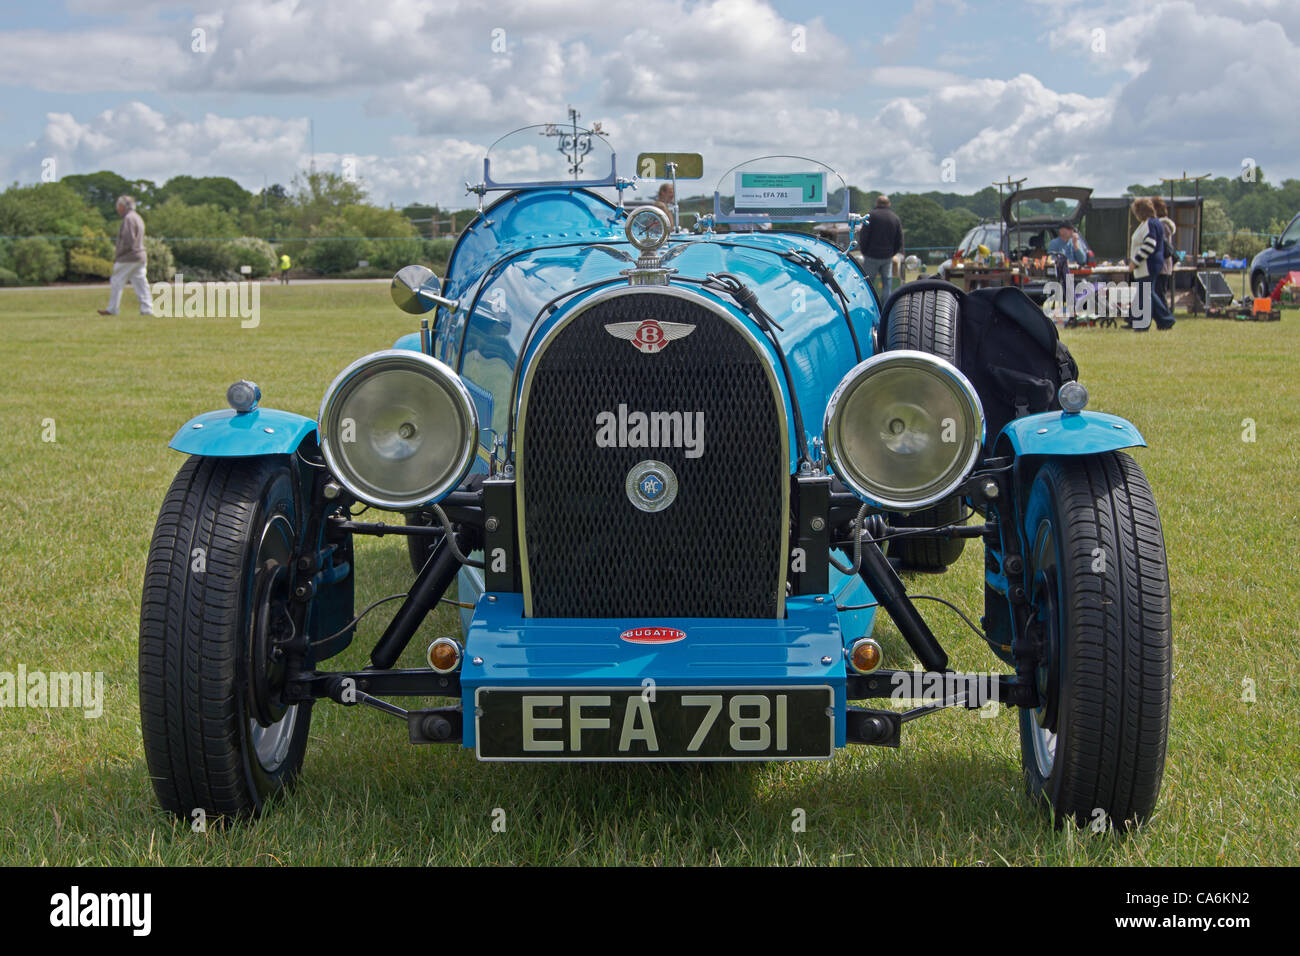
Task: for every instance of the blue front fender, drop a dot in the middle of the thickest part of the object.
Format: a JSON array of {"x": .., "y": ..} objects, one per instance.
[
  {"x": 228, "y": 434},
  {"x": 1060, "y": 433}
]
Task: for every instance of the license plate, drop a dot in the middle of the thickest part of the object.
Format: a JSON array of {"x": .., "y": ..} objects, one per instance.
[{"x": 659, "y": 723}]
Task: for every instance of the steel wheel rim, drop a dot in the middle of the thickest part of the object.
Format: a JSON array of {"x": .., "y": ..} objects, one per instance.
[
  {"x": 1046, "y": 583},
  {"x": 270, "y": 744},
  {"x": 1044, "y": 742}
]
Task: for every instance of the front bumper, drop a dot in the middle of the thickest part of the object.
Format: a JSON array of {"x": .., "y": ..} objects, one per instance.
[{"x": 503, "y": 649}]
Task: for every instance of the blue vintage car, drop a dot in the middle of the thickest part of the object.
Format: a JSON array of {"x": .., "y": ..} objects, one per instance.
[{"x": 672, "y": 479}]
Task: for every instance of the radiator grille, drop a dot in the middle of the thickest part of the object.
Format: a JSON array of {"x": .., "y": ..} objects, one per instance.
[{"x": 718, "y": 549}]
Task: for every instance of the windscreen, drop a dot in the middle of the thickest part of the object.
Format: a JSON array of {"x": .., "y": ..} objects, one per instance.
[{"x": 551, "y": 153}]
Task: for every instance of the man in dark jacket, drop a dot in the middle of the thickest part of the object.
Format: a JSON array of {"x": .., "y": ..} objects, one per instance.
[{"x": 879, "y": 240}]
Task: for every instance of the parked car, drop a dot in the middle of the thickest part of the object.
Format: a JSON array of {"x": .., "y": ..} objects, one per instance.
[
  {"x": 671, "y": 481},
  {"x": 1272, "y": 264},
  {"x": 987, "y": 234},
  {"x": 1032, "y": 217}
]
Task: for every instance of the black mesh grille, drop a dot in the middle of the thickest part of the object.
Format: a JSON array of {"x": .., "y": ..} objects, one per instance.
[{"x": 716, "y": 550}]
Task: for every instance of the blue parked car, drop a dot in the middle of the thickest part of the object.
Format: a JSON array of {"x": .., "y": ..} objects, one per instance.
[
  {"x": 672, "y": 480},
  {"x": 1272, "y": 264}
]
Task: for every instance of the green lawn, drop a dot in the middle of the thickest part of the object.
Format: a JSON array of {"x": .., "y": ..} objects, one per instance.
[{"x": 77, "y": 514}]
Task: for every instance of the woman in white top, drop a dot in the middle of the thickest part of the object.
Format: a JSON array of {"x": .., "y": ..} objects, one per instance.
[{"x": 1147, "y": 251}]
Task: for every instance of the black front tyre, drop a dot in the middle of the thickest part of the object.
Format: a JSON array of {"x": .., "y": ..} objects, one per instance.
[
  {"x": 1259, "y": 285},
  {"x": 214, "y": 605},
  {"x": 1099, "y": 585}
]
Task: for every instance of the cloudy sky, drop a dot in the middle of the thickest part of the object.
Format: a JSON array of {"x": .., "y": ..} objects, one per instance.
[{"x": 935, "y": 94}]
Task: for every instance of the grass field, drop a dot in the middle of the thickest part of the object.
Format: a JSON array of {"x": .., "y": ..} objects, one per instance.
[{"x": 77, "y": 514}]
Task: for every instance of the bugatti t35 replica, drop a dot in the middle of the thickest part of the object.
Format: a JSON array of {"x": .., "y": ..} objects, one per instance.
[{"x": 672, "y": 480}]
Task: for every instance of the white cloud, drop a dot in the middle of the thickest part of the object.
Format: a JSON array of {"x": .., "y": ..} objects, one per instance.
[
  {"x": 142, "y": 143},
  {"x": 1201, "y": 84},
  {"x": 1192, "y": 84},
  {"x": 90, "y": 62},
  {"x": 432, "y": 60}
]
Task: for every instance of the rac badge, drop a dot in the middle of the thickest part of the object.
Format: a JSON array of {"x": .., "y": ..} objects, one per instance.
[
  {"x": 651, "y": 486},
  {"x": 649, "y": 336},
  {"x": 653, "y": 635}
]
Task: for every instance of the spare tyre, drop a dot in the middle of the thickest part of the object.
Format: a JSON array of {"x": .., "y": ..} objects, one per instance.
[{"x": 925, "y": 319}]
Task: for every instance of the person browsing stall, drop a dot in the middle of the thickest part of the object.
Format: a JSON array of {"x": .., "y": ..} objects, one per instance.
[{"x": 1068, "y": 243}]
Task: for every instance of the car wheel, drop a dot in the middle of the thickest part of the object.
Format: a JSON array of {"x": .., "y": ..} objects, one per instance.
[
  {"x": 926, "y": 321},
  {"x": 1094, "y": 751},
  {"x": 216, "y": 602},
  {"x": 1259, "y": 285}
]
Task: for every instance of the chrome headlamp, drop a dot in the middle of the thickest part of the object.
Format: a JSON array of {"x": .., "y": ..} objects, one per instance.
[
  {"x": 903, "y": 429},
  {"x": 398, "y": 429}
]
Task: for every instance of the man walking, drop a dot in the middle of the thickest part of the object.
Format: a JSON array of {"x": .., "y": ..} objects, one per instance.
[
  {"x": 129, "y": 260},
  {"x": 285, "y": 265},
  {"x": 880, "y": 239}
]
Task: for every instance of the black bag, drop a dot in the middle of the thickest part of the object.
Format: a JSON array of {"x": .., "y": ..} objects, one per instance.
[
  {"x": 1011, "y": 352},
  {"x": 1008, "y": 348}
]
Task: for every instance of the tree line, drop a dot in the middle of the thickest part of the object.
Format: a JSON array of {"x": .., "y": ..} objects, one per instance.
[{"x": 208, "y": 227}]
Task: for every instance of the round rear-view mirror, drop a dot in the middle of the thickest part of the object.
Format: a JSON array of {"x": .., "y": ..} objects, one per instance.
[{"x": 406, "y": 287}]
